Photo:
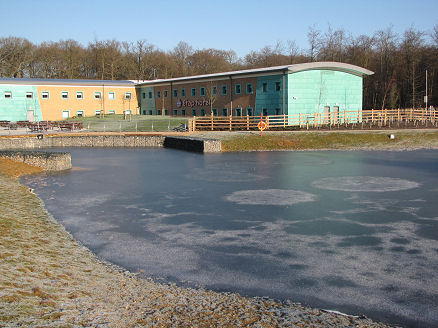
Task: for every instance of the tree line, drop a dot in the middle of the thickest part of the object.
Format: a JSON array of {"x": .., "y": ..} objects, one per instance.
[{"x": 399, "y": 62}]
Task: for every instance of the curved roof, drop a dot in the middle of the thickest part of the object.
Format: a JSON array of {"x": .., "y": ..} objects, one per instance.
[
  {"x": 336, "y": 66},
  {"x": 348, "y": 68}
]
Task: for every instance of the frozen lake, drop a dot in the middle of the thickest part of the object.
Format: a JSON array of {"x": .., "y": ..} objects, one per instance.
[{"x": 351, "y": 231}]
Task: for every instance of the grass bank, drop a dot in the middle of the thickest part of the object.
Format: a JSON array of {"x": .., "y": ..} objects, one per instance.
[{"x": 404, "y": 139}]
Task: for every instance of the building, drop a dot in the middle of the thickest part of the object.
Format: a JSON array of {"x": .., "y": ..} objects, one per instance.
[
  {"x": 54, "y": 99},
  {"x": 289, "y": 89}
]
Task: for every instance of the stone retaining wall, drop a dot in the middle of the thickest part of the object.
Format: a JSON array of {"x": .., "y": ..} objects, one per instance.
[
  {"x": 45, "y": 160},
  {"x": 81, "y": 141},
  {"x": 184, "y": 143}
]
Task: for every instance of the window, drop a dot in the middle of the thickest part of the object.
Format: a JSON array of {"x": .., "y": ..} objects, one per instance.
[
  {"x": 8, "y": 94},
  {"x": 166, "y": 112},
  {"x": 224, "y": 89},
  {"x": 183, "y": 112},
  {"x": 265, "y": 87},
  {"x": 277, "y": 111},
  {"x": 214, "y": 111},
  {"x": 238, "y": 112},
  {"x": 165, "y": 93},
  {"x": 249, "y": 111},
  {"x": 97, "y": 112},
  {"x": 202, "y": 112},
  {"x": 29, "y": 95},
  {"x": 111, "y": 95},
  {"x": 237, "y": 89},
  {"x": 158, "y": 94},
  {"x": 97, "y": 95},
  {"x": 65, "y": 114},
  {"x": 193, "y": 112},
  {"x": 143, "y": 95},
  {"x": 79, "y": 95},
  {"x": 45, "y": 94},
  {"x": 214, "y": 90},
  {"x": 111, "y": 112},
  {"x": 224, "y": 112},
  {"x": 277, "y": 86},
  {"x": 193, "y": 92},
  {"x": 183, "y": 92},
  {"x": 64, "y": 94},
  {"x": 79, "y": 113},
  {"x": 128, "y": 95},
  {"x": 175, "y": 93},
  {"x": 175, "y": 112},
  {"x": 159, "y": 112},
  {"x": 265, "y": 112},
  {"x": 150, "y": 94},
  {"x": 249, "y": 88},
  {"x": 202, "y": 91},
  {"x": 150, "y": 112}
]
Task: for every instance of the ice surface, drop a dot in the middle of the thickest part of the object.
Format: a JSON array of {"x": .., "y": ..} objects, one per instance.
[{"x": 338, "y": 230}]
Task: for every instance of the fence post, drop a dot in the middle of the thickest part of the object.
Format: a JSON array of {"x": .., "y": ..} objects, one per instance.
[
  {"x": 300, "y": 121},
  {"x": 231, "y": 119},
  {"x": 194, "y": 123},
  {"x": 212, "y": 118},
  {"x": 247, "y": 122},
  {"x": 284, "y": 120}
]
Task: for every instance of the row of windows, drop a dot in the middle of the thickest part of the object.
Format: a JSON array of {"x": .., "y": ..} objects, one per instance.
[
  {"x": 65, "y": 95},
  {"x": 224, "y": 112},
  {"x": 214, "y": 91}
]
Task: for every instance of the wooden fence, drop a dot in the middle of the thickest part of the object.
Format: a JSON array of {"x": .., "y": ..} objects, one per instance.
[{"x": 364, "y": 118}]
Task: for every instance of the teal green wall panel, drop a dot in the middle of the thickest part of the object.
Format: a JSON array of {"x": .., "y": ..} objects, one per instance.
[
  {"x": 270, "y": 98},
  {"x": 310, "y": 91},
  {"x": 15, "y": 108},
  {"x": 147, "y": 105}
]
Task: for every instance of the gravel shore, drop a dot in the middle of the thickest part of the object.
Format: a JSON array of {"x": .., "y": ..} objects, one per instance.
[{"x": 48, "y": 280}]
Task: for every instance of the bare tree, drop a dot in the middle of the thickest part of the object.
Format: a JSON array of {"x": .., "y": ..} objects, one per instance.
[
  {"x": 181, "y": 54},
  {"x": 313, "y": 36},
  {"x": 411, "y": 44}
]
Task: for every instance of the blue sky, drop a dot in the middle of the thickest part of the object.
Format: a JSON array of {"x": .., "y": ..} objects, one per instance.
[{"x": 239, "y": 25}]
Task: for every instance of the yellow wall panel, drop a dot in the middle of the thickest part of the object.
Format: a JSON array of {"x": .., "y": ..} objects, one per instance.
[{"x": 53, "y": 106}]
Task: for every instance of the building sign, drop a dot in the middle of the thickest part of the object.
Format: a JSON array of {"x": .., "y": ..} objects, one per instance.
[{"x": 193, "y": 103}]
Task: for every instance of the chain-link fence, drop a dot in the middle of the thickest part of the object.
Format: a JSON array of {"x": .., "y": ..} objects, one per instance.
[{"x": 136, "y": 126}]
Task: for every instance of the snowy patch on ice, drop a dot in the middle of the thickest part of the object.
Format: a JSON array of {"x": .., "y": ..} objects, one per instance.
[
  {"x": 364, "y": 184},
  {"x": 270, "y": 197}
]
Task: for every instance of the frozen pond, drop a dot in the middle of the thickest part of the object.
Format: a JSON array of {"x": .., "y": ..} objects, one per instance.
[{"x": 351, "y": 231}]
